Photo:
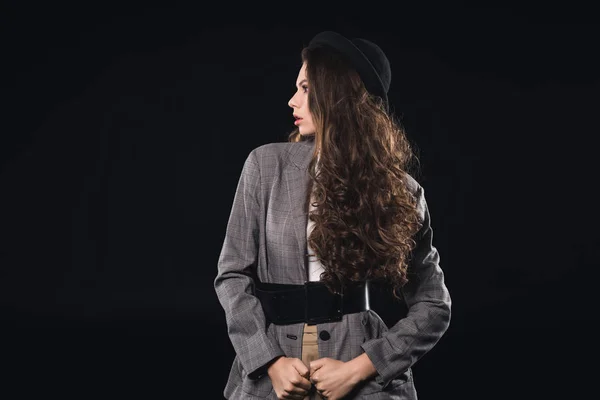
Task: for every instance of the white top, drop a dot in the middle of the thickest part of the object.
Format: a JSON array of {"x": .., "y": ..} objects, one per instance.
[{"x": 314, "y": 266}]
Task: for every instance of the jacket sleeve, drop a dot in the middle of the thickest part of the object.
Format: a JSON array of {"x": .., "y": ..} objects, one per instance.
[
  {"x": 246, "y": 325},
  {"x": 428, "y": 302}
]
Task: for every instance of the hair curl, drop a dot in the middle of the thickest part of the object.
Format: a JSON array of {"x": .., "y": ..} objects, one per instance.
[{"x": 365, "y": 216}]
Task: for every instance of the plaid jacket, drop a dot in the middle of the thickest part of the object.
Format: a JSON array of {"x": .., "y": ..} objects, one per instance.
[{"x": 266, "y": 237}]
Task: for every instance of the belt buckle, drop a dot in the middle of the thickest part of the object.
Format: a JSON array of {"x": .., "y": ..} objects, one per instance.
[{"x": 320, "y": 305}]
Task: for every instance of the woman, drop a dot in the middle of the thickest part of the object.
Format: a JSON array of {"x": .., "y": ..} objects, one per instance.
[{"x": 316, "y": 224}]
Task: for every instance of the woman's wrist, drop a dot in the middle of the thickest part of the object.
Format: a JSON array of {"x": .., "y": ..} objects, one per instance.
[{"x": 362, "y": 368}]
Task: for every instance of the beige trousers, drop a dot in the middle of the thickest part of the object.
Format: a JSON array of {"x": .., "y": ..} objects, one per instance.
[{"x": 310, "y": 352}]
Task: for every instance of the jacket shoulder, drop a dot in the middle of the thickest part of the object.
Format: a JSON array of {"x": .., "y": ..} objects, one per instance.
[
  {"x": 280, "y": 153},
  {"x": 413, "y": 186},
  {"x": 273, "y": 149}
]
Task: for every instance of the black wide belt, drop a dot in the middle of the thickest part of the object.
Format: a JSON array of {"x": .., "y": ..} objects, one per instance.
[{"x": 311, "y": 303}]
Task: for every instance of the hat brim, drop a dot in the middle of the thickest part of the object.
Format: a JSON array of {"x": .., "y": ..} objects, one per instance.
[{"x": 357, "y": 58}]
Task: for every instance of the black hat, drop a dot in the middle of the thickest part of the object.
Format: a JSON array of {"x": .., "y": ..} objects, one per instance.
[{"x": 366, "y": 57}]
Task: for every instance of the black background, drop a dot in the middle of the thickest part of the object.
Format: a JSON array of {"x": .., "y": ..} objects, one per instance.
[{"x": 124, "y": 129}]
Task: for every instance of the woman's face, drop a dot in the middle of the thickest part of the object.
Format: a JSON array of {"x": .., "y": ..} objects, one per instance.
[{"x": 299, "y": 103}]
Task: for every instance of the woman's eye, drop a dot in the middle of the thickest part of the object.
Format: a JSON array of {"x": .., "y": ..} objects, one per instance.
[{"x": 305, "y": 88}]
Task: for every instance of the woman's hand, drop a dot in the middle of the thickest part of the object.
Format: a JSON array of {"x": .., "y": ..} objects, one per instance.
[
  {"x": 289, "y": 377},
  {"x": 334, "y": 379}
]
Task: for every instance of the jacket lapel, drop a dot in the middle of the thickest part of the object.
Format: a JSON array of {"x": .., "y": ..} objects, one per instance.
[{"x": 297, "y": 180}]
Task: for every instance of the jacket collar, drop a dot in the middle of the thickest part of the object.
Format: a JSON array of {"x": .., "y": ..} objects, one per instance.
[{"x": 301, "y": 154}]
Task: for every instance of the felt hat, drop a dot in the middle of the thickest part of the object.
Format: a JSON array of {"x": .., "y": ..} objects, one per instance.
[{"x": 367, "y": 58}]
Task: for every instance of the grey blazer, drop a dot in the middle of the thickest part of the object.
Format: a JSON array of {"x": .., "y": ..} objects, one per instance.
[{"x": 266, "y": 237}]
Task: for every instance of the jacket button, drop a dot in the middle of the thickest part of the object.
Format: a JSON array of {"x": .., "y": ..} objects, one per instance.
[{"x": 324, "y": 335}]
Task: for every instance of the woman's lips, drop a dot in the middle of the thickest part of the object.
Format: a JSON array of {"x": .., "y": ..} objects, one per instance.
[{"x": 297, "y": 121}]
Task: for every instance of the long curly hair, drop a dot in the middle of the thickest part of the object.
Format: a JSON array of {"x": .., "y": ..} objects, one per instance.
[{"x": 365, "y": 217}]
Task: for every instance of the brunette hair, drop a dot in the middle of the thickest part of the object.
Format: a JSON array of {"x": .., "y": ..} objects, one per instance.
[{"x": 365, "y": 216}]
